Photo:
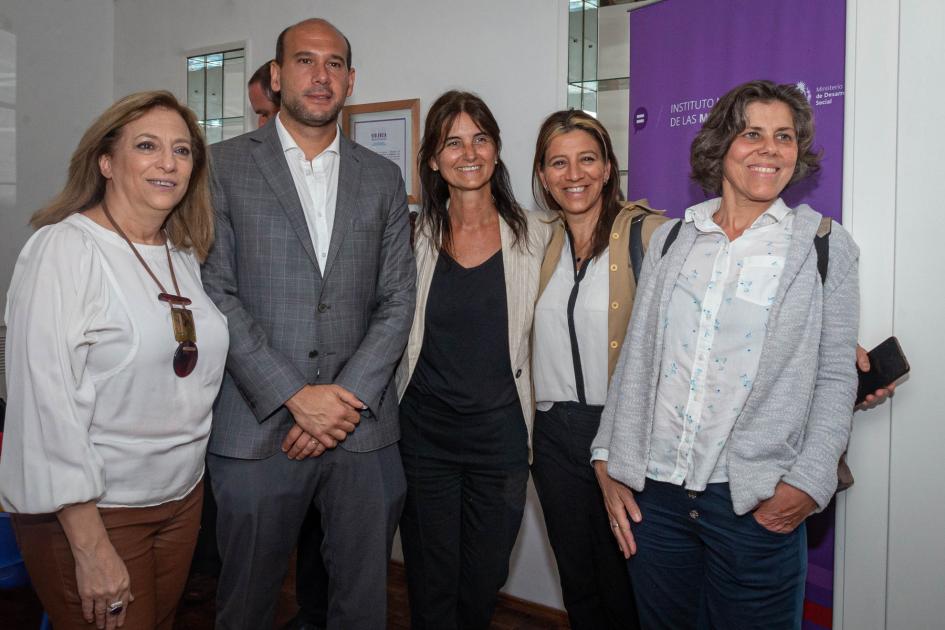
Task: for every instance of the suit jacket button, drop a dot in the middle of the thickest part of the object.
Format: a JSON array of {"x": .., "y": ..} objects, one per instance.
[
  {"x": 518, "y": 372},
  {"x": 322, "y": 308},
  {"x": 313, "y": 354}
]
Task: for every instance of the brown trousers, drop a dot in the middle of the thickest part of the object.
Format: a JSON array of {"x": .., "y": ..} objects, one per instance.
[{"x": 156, "y": 544}]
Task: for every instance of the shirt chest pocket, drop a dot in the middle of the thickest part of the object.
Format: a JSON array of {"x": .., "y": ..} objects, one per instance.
[{"x": 758, "y": 279}]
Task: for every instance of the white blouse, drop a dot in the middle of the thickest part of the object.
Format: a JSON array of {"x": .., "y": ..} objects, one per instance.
[
  {"x": 715, "y": 331},
  {"x": 552, "y": 355},
  {"x": 95, "y": 411}
]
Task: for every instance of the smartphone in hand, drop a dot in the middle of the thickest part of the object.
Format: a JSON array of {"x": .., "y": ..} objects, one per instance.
[{"x": 887, "y": 364}]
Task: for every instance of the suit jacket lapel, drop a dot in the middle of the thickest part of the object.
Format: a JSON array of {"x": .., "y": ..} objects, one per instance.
[
  {"x": 270, "y": 158},
  {"x": 349, "y": 182}
]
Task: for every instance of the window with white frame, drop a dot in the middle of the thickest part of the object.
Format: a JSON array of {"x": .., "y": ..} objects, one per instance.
[{"x": 216, "y": 91}]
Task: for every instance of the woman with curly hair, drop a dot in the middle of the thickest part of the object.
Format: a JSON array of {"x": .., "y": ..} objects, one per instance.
[{"x": 731, "y": 406}]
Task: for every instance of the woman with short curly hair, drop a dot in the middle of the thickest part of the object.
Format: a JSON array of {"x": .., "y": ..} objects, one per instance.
[{"x": 731, "y": 405}]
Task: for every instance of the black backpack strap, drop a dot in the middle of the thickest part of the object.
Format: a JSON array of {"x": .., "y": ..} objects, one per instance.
[
  {"x": 636, "y": 245},
  {"x": 671, "y": 237},
  {"x": 822, "y": 245}
]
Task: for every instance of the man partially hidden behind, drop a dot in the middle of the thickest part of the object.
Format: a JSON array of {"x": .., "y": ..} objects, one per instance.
[
  {"x": 313, "y": 269},
  {"x": 264, "y": 100}
]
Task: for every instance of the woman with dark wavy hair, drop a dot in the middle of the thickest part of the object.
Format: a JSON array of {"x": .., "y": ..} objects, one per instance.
[
  {"x": 109, "y": 400},
  {"x": 731, "y": 404},
  {"x": 465, "y": 386}
]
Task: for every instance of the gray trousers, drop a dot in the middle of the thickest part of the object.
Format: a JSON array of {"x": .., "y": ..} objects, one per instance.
[{"x": 261, "y": 506}]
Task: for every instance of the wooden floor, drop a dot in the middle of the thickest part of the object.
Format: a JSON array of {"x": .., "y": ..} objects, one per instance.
[{"x": 20, "y": 610}]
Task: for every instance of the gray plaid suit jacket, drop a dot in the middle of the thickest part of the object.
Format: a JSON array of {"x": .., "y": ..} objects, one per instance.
[{"x": 292, "y": 323}]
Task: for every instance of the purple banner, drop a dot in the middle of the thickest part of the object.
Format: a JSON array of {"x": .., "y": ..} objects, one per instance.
[{"x": 684, "y": 55}]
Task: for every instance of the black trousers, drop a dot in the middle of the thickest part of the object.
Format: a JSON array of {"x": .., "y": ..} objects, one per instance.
[
  {"x": 466, "y": 480},
  {"x": 594, "y": 579}
]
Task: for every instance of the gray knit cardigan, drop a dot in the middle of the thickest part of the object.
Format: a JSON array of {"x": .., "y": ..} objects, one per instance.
[{"x": 796, "y": 421}]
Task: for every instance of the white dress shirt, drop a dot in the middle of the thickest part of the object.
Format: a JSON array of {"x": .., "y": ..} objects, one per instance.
[
  {"x": 715, "y": 330},
  {"x": 95, "y": 410},
  {"x": 553, "y": 357},
  {"x": 316, "y": 182}
]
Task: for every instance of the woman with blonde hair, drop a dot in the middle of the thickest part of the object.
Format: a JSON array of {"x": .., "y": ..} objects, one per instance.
[
  {"x": 109, "y": 404},
  {"x": 586, "y": 292}
]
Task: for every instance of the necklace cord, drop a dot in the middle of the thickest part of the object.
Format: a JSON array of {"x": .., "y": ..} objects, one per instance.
[{"x": 167, "y": 250}]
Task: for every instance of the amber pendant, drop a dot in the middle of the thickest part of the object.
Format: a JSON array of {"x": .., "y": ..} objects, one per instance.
[
  {"x": 184, "y": 328},
  {"x": 185, "y": 359}
]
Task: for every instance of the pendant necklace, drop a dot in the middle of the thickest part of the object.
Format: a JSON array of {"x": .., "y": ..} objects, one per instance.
[{"x": 185, "y": 332}]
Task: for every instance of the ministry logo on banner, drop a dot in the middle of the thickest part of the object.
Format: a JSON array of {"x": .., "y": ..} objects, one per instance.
[{"x": 679, "y": 67}]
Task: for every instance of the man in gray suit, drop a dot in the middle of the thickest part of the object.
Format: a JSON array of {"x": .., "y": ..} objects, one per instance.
[{"x": 312, "y": 267}]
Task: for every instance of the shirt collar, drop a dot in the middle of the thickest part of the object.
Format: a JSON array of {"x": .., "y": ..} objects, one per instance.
[
  {"x": 289, "y": 145},
  {"x": 701, "y": 214}
]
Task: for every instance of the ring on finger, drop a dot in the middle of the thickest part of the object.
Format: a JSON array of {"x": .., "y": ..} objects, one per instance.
[
  {"x": 313, "y": 442},
  {"x": 615, "y": 525},
  {"x": 116, "y": 607}
]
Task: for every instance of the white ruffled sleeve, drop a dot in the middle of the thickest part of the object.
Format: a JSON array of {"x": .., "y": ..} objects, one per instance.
[{"x": 57, "y": 300}]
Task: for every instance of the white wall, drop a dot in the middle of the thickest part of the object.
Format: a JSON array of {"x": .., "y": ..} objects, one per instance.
[
  {"x": 510, "y": 53},
  {"x": 507, "y": 52},
  {"x": 892, "y": 550},
  {"x": 916, "y": 541},
  {"x": 916, "y": 570},
  {"x": 64, "y": 79}
]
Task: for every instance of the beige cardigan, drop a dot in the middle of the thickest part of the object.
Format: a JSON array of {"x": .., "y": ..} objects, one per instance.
[
  {"x": 522, "y": 266},
  {"x": 622, "y": 285}
]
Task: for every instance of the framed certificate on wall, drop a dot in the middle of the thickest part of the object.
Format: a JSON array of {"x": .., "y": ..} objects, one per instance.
[{"x": 390, "y": 129}]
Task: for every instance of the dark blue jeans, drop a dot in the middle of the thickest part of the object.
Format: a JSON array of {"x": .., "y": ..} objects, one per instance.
[{"x": 699, "y": 565}]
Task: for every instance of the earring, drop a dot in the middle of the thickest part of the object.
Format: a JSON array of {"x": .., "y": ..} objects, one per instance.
[{"x": 496, "y": 161}]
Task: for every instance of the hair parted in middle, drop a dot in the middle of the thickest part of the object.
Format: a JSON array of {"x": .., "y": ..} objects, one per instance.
[
  {"x": 263, "y": 76},
  {"x": 566, "y": 121},
  {"x": 729, "y": 118},
  {"x": 434, "y": 191}
]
